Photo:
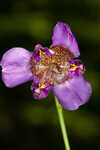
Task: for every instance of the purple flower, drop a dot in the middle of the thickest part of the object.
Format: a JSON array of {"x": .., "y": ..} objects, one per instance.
[{"x": 50, "y": 68}]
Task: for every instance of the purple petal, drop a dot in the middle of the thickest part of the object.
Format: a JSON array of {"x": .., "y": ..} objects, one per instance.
[
  {"x": 36, "y": 81},
  {"x": 63, "y": 36},
  {"x": 76, "y": 68},
  {"x": 73, "y": 93},
  {"x": 15, "y": 65},
  {"x": 36, "y": 53},
  {"x": 40, "y": 93}
]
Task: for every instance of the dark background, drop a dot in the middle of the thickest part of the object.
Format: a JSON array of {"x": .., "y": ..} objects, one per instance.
[{"x": 25, "y": 123}]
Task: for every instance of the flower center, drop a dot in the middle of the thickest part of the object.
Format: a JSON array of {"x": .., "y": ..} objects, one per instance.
[{"x": 53, "y": 69}]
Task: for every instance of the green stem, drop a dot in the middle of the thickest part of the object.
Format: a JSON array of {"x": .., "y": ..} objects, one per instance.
[{"x": 62, "y": 124}]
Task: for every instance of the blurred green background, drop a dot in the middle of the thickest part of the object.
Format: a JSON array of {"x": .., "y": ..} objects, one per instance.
[{"x": 29, "y": 124}]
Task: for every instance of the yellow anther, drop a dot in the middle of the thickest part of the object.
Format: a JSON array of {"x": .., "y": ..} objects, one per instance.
[
  {"x": 41, "y": 86},
  {"x": 41, "y": 53},
  {"x": 74, "y": 67}
]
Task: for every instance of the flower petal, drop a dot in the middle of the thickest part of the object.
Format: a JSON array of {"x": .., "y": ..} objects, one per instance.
[
  {"x": 76, "y": 68},
  {"x": 63, "y": 36},
  {"x": 36, "y": 53},
  {"x": 40, "y": 93},
  {"x": 15, "y": 65},
  {"x": 73, "y": 92}
]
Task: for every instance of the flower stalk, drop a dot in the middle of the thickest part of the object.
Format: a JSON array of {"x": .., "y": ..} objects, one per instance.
[{"x": 62, "y": 124}]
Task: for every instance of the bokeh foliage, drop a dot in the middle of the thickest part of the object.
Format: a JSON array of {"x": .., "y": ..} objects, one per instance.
[{"x": 29, "y": 124}]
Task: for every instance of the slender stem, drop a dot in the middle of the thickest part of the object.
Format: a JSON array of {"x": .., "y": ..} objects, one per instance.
[{"x": 62, "y": 124}]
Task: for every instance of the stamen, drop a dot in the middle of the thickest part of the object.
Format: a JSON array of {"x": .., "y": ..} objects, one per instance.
[
  {"x": 74, "y": 67},
  {"x": 41, "y": 53},
  {"x": 41, "y": 86}
]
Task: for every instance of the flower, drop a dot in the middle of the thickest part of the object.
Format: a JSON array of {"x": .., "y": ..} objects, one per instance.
[{"x": 50, "y": 68}]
